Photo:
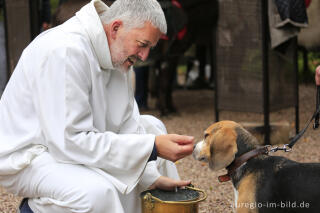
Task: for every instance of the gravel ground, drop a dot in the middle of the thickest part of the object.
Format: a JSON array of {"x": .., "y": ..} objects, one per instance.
[{"x": 196, "y": 113}]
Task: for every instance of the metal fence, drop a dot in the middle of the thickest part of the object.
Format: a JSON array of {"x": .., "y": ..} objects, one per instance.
[{"x": 252, "y": 77}]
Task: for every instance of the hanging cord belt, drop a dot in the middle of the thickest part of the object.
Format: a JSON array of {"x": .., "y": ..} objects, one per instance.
[{"x": 293, "y": 141}]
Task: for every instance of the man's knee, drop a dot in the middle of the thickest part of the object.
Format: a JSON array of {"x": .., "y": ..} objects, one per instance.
[
  {"x": 99, "y": 198},
  {"x": 153, "y": 125}
]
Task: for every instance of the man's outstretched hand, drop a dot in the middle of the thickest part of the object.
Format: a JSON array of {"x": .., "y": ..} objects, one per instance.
[
  {"x": 174, "y": 147},
  {"x": 168, "y": 184}
]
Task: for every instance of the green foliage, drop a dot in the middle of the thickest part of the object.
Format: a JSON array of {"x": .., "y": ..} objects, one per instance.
[
  {"x": 54, "y": 5},
  {"x": 314, "y": 60},
  {"x": 307, "y": 76}
]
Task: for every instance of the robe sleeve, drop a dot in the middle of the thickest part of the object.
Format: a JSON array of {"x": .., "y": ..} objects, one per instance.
[
  {"x": 154, "y": 126},
  {"x": 150, "y": 175},
  {"x": 62, "y": 89}
]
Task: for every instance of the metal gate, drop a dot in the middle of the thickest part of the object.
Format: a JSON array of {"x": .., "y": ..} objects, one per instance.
[
  {"x": 251, "y": 76},
  {"x": 18, "y": 29}
]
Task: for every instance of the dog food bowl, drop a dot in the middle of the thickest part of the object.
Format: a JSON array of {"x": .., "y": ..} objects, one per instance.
[{"x": 180, "y": 201}]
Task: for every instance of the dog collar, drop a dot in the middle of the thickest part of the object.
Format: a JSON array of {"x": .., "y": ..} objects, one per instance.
[
  {"x": 241, "y": 160},
  {"x": 224, "y": 178}
]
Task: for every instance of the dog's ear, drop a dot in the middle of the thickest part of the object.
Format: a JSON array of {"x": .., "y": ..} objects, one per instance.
[{"x": 223, "y": 148}]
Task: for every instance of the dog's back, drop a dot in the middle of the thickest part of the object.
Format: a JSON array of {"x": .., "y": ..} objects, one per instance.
[
  {"x": 287, "y": 185},
  {"x": 277, "y": 184}
]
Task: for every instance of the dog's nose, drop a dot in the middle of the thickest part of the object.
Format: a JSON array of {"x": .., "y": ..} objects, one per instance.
[{"x": 202, "y": 159}]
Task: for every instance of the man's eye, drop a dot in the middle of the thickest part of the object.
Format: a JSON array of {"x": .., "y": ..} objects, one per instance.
[{"x": 141, "y": 44}]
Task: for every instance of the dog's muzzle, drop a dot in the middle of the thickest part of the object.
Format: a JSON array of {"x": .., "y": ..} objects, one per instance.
[{"x": 196, "y": 151}]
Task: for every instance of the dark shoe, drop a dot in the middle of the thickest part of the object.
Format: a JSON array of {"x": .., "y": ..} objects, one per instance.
[{"x": 24, "y": 206}]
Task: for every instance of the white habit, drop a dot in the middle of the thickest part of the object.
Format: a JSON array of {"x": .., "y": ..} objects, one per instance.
[{"x": 71, "y": 136}]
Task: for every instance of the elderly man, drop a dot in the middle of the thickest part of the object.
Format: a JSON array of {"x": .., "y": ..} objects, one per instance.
[{"x": 71, "y": 136}]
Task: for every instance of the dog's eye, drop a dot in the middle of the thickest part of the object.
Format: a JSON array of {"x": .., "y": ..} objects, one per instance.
[{"x": 206, "y": 135}]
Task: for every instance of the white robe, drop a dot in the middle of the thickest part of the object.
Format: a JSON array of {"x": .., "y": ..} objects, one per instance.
[{"x": 66, "y": 98}]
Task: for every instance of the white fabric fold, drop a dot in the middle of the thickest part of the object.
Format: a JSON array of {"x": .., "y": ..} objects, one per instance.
[
  {"x": 13, "y": 163},
  {"x": 150, "y": 175},
  {"x": 59, "y": 98}
]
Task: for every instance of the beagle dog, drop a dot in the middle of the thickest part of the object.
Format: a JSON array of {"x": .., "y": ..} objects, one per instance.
[{"x": 262, "y": 183}]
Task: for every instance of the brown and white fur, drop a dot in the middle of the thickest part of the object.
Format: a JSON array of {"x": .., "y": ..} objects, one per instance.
[{"x": 264, "y": 183}]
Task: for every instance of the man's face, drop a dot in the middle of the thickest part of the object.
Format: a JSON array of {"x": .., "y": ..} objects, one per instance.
[{"x": 128, "y": 46}]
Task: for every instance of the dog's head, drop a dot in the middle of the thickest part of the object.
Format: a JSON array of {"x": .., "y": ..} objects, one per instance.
[{"x": 222, "y": 142}]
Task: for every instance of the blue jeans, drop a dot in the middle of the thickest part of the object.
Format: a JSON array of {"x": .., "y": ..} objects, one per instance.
[{"x": 24, "y": 207}]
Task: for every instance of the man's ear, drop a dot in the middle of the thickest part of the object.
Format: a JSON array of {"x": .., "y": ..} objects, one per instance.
[{"x": 114, "y": 28}]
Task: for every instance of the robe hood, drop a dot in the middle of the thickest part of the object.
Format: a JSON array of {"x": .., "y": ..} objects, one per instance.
[{"x": 89, "y": 17}]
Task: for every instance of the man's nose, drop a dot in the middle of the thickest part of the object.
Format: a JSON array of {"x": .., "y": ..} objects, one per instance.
[{"x": 143, "y": 54}]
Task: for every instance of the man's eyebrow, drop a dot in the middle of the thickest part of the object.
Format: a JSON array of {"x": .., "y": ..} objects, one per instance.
[{"x": 149, "y": 43}]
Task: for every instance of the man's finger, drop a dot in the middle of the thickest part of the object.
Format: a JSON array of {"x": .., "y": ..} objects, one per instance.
[
  {"x": 183, "y": 139},
  {"x": 186, "y": 149},
  {"x": 182, "y": 183}
]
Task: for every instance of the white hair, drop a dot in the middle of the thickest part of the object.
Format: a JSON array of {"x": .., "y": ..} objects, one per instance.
[{"x": 134, "y": 14}]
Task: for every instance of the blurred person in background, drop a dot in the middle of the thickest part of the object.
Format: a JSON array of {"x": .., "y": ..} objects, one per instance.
[
  {"x": 141, "y": 70},
  {"x": 45, "y": 14}
]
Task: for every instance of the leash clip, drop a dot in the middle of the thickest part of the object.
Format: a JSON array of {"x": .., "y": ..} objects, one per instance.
[{"x": 285, "y": 148}]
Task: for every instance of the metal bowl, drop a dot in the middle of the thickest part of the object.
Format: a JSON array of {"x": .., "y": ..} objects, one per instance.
[
  {"x": 180, "y": 201},
  {"x": 179, "y": 195}
]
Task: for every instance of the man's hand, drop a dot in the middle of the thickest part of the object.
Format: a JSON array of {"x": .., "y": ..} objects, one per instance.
[
  {"x": 174, "y": 147},
  {"x": 317, "y": 76},
  {"x": 168, "y": 184}
]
